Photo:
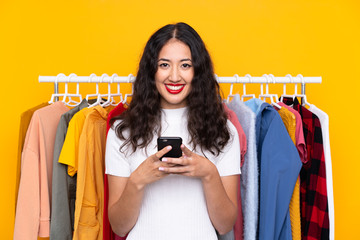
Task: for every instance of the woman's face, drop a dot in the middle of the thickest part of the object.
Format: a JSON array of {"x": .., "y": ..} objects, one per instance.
[{"x": 174, "y": 74}]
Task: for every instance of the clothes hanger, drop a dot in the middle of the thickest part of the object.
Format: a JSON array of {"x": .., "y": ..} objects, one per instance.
[
  {"x": 97, "y": 94},
  {"x": 302, "y": 96},
  {"x": 284, "y": 89},
  {"x": 132, "y": 90},
  {"x": 244, "y": 95},
  {"x": 231, "y": 95},
  {"x": 71, "y": 102},
  {"x": 110, "y": 96},
  {"x": 118, "y": 93},
  {"x": 275, "y": 96},
  {"x": 263, "y": 96},
  {"x": 293, "y": 96},
  {"x": 55, "y": 96}
]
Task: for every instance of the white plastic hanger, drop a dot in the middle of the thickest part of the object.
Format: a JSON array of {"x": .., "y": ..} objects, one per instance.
[
  {"x": 71, "y": 102},
  {"x": 293, "y": 96},
  {"x": 263, "y": 96},
  {"x": 56, "y": 95},
  {"x": 302, "y": 96},
  {"x": 231, "y": 95},
  {"x": 118, "y": 93},
  {"x": 97, "y": 94},
  {"x": 244, "y": 95},
  {"x": 110, "y": 96},
  {"x": 284, "y": 89},
  {"x": 132, "y": 90}
]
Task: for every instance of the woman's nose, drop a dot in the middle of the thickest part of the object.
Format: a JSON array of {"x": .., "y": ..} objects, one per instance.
[{"x": 174, "y": 75}]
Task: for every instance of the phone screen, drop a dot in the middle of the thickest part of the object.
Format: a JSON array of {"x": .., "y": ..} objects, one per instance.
[{"x": 175, "y": 143}]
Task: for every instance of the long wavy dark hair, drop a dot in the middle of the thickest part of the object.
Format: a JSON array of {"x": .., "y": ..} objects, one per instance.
[{"x": 206, "y": 115}]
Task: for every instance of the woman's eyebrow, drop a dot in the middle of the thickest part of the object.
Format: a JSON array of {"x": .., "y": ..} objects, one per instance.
[
  {"x": 185, "y": 59},
  {"x": 167, "y": 60}
]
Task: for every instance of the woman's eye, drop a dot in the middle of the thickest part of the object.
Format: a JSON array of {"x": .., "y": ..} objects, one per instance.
[
  {"x": 186, "y": 65},
  {"x": 164, "y": 65}
]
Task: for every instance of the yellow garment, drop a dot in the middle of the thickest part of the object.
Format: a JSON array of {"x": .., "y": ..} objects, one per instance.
[
  {"x": 25, "y": 119},
  {"x": 89, "y": 205},
  {"x": 69, "y": 152},
  {"x": 294, "y": 206}
]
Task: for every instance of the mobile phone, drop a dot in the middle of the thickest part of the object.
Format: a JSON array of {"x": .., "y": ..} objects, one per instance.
[{"x": 174, "y": 142}]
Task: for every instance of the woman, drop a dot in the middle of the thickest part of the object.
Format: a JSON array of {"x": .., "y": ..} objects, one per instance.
[{"x": 175, "y": 94}]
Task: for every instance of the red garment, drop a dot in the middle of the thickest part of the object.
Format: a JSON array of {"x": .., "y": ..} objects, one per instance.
[
  {"x": 313, "y": 193},
  {"x": 239, "y": 224},
  {"x": 108, "y": 234}
]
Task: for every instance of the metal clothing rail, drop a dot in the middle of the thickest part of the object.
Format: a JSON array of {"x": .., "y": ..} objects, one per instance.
[{"x": 247, "y": 79}]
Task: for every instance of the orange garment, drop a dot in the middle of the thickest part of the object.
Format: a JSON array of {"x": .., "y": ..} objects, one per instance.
[
  {"x": 33, "y": 207},
  {"x": 89, "y": 205},
  {"x": 25, "y": 119},
  {"x": 70, "y": 150},
  {"x": 294, "y": 206}
]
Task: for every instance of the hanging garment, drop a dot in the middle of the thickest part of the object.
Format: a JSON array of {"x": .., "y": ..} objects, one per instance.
[
  {"x": 238, "y": 232},
  {"x": 279, "y": 166},
  {"x": 242, "y": 137},
  {"x": 289, "y": 121},
  {"x": 89, "y": 206},
  {"x": 299, "y": 133},
  {"x": 25, "y": 119},
  {"x": 313, "y": 193},
  {"x": 295, "y": 200},
  {"x": 70, "y": 151},
  {"x": 107, "y": 231},
  {"x": 63, "y": 185},
  {"x": 324, "y": 121},
  {"x": 70, "y": 154},
  {"x": 249, "y": 171},
  {"x": 33, "y": 206}
]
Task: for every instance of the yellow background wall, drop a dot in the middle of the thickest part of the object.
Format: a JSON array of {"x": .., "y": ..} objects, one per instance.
[{"x": 314, "y": 38}]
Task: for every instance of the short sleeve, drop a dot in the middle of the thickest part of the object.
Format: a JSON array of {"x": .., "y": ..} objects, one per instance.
[
  {"x": 115, "y": 162},
  {"x": 228, "y": 162}
]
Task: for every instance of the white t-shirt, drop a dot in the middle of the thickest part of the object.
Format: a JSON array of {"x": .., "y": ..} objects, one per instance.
[{"x": 175, "y": 206}]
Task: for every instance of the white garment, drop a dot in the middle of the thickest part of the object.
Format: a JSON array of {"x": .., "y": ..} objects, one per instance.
[
  {"x": 249, "y": 170},
  {"x": 175, "y": 206},
  {"x": 324, "y": 121}
]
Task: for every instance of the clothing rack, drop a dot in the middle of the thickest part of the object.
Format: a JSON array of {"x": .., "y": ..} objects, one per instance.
[{"x": 247, "y": 79}]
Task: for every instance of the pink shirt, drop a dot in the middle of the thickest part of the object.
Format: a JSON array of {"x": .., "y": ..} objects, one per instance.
[
  {"x": 242, "y": 137},
  {"x": 238, "y": 227},
  {"x": 33, "y": 207}
]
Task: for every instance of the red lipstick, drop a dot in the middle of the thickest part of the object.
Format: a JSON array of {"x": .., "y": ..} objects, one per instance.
[{"x": 174, "y": 88}]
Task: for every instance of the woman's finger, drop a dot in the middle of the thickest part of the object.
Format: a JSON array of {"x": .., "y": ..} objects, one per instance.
[
  {"x": 161, "y": 153},
  {"x": 186, "y": 151},
  {"x": 175, "y": 170},
  {"x": 176, "y": 161}
]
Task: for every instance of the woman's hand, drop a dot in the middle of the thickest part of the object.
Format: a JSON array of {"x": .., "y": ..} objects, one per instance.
[
  {"x": 148, "y": 170},
  {"x": 190, "y": 164},
  {"x": 220, "y": 192}
]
